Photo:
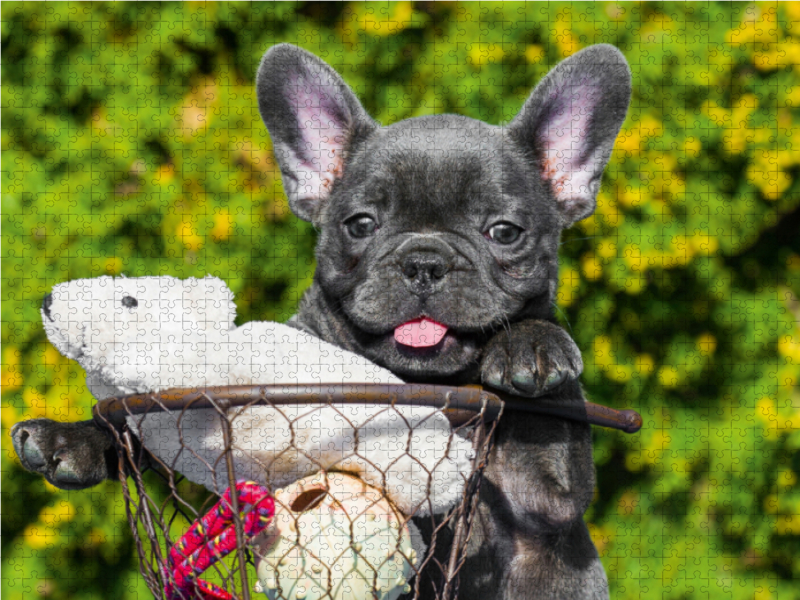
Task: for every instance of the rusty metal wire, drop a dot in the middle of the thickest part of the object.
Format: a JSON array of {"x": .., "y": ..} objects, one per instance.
[{"x": 162, "y": 503}]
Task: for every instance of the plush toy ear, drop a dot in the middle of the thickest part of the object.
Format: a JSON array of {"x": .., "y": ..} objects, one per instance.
[
  {"x": 209, "y": 302},
  {"x": 569, "y": 124},
  {"x": 312, "y": 117},
  {"x": 69, "y": 308}
]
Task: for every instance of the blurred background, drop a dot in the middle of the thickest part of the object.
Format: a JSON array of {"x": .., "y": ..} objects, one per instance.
[{"x": 132, "y": 144}]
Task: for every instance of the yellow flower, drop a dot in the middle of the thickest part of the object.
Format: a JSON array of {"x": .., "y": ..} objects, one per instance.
[
  {"x": 649, "y": 126},
  {"x": 602, "y": 351},
  {"x": 607, "y": 249},
  {"x": 735, "y": 141},
  {"x": 767, "y": 413},
  {"x": 591, "y": 267},
  {"x": 601, "y": 536},
  {"x": 754, "y": 28},
  {"x": 565, "y": 40},
  {"x": 706, "y": 343},
  {"x": 787, "y": 380},
  {"x": 633, "y": 258},
  {"x": 787, "y": 478},
  {"x": 11, "y": 378},
  {"x": 481, "y": 53},
  {"x": 534, "y": 53},
  {"x": 668, "y": 376},
  {"x": 568, "y": 285},
  {"x": 38, "y": 536},
  {"x": 113, "y": 265},
  {"x": 52, "y": 357},
  {"x": 645, "y": 364},
  {"x": 767, "y": 174},
  {"x": 8, "y": 417},
  {"x": 35, "y": 403},
  {"x": 389, "y": 24},
  {"x": 633, "y": 461},
  {"x": 789, "y": 346},
  {"x": 787, "y": 525},
  {"x": 223, "y": 225},
  {"x": 55, "y": 515},
  {"x": 682, "y": 251},
  {"x": 792, "y": 10},
  {"x": 720, "y": 116},
  {"x": 763, "y": 592},
  {"x": 635, "y": 285},
  {"x": 630, "y": 141},
  {"x": 771, "y": 504},
  {"x": 188, "y": 236},
  {"x": 704, "y": 244},
  {"x": 163, "y": 174},
  {"x": 619, "y": 373}
]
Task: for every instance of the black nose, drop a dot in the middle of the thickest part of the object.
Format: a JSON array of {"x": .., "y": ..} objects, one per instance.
[
  {"x": 423, "y": 270},
  {"x": 48, "y": 301}
]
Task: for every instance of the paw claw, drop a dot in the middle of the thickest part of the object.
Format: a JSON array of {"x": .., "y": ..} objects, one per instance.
[
  {"x": 555, "y": 378},
  {"x": 493, "y": 373},
  {"x": 525, "y": 381},
  {"x": 531, "y": 359}
]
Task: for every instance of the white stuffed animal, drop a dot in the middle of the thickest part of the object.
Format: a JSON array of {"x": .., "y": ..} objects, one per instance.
[{"x": 144, "y": 334}]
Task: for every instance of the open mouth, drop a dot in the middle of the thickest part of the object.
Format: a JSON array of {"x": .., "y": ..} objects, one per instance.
[
  {"x": 420, "y": 333},
  {"x": 425, "y": 350}
]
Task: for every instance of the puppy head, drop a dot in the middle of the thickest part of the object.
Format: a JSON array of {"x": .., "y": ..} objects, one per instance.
[
  {"x": 118, "y": 328},
  {"x": 437, "y": 231}
]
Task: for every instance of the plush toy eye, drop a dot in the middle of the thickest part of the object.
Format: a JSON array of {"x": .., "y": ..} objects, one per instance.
[
  {"x": 129, "y": 302},
  {"x": 503, "y": 233},
  {"x": 361, "y": 226}
]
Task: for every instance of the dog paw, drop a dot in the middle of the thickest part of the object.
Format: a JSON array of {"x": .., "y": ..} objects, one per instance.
[
  {"x": 531, "y": 359},
  {"x": 71, "y": 456}
]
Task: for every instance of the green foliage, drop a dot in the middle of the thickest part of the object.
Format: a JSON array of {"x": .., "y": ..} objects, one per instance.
[{"x": 132, "y": 144}]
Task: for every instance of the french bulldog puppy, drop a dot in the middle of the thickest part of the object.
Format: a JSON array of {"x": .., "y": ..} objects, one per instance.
[{"x": 437, "y": 259}]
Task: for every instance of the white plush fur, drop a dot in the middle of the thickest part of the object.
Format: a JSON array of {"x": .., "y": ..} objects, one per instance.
[{"x": 181, "y": 333}]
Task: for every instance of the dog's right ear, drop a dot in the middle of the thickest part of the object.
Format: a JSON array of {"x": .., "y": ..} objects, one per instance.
[
  {"x": 569, "y": 124},
  {"x": 312, "y": 117}
]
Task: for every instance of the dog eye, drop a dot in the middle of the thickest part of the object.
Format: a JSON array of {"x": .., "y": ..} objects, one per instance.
[
  {"x": 129, "y": 302},
  {"x": 503, "y": 233},
  {"x": 361, "y": 226}
]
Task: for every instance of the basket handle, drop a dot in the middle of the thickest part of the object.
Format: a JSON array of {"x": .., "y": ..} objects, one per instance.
[{"x": 460, "y": 404}]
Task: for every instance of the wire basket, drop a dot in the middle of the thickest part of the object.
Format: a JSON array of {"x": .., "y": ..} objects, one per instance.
[{"x": 294, "y": 558}]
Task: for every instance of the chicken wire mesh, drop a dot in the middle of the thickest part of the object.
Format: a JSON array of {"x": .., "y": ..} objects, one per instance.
[{"x": 371, "y": 489}]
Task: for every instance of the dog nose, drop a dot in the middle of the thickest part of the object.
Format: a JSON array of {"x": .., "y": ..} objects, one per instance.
[
  {"x": 48, "y": 301},
  {"x": 423, "y": 269}
]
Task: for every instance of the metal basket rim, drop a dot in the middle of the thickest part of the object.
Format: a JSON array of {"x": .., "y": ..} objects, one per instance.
[{"x": 460, "y": 404}]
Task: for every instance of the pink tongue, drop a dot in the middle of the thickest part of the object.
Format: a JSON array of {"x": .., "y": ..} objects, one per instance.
[{"x": 420, "y": 333}]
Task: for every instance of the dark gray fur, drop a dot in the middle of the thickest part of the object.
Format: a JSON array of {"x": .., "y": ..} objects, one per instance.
[{"x": 434, "y": 186}]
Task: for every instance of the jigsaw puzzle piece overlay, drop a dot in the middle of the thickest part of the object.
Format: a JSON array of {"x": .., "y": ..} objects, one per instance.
[{"x": 147, "y": 334}]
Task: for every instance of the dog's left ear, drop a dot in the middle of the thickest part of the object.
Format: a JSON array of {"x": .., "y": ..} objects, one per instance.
[
  {"x": 569, "y": 124},
  {"x": 313, "y": 118}
]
